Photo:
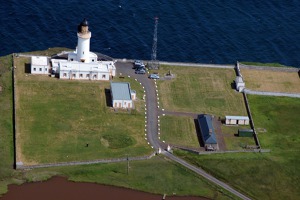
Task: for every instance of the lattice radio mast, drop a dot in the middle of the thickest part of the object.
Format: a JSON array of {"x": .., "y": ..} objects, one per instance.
[{"x": 154, "y": 64}]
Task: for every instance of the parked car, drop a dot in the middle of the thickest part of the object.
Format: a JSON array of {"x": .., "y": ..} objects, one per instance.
[
  {"x": 136, "y": 66},
  {"x": 154, "y": 76},
  {"x": 138, "y": 63},
  {"x": 142, "y": 71},
  {"x": 140, "y": 67}
]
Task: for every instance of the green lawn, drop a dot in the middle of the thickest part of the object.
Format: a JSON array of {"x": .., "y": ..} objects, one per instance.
[
  {"x": 233, "y": 142},
  {"x": 200, "y": 90},
  {"x": 272, "y": 175},
  {"x": 57, "y": 118},
  {"x": 264, "y": 64},
  {"x": 6, "y": 124},
  {"x": 179, "y": 130}
]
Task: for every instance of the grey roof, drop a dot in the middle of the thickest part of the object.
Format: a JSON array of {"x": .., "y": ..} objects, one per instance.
[
  {"x": 120, "y": 90},
  {"x": 237, "y": 117},
  {"x": 205, "y": 125}
]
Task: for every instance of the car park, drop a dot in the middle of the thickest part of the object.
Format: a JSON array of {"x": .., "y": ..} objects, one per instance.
[{"x": 154, "y": 76}]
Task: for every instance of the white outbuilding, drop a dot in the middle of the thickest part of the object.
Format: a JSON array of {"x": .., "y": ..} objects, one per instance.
[
  {"x": 121, "y": 95},
  {"x": 240, "y": 120},
  {"x": 240, "y": 84},
  {"x": 39, "y": 65}
]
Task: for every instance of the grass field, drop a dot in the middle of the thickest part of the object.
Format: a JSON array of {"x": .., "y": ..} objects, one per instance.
[
  {"x": 272, "y": 175},
  {"x": 273, "y": 81},
  {"x": 57, "y": 118},
  {"x": 201, "y": 90},
  {"x": 264, "y": 64},
  {"x": 234, "y": 142},
  {"x": 179, "y": 130},
  {"x": 6, "y": 124}
]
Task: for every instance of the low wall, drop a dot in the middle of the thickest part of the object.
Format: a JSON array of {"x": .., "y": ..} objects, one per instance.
[
  {"x": 183, "y": 64},
  {"x": 280, "y": 69},
  {"x": 251, "y": 120},
  {"x": 278, "y": 94},
  {"x": 85, "y": 162}
]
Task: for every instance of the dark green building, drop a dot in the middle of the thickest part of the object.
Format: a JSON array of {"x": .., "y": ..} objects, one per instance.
[{"x": 245, "y": 133}]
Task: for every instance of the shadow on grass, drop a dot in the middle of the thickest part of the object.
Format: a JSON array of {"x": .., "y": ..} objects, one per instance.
[
  {"x": 27, "y": 68},
  {"x": 232, "y": 85},
  {"x": 201, "y": 142},
  {"x": 108, "y": 97}
]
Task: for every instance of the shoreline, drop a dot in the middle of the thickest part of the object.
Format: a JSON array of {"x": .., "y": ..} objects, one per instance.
[{"x": 90, "y": 189}]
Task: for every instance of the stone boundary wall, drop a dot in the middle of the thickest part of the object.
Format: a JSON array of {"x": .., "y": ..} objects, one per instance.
[
  {"x": 14, "y": 111},
  {"x": 278, "y": 94},
  {"x": 280, "y": 69},
  {"x": 184, "y": 64},
  {"x": 85, "y": 162},
  {"x": 251, "y": 121}
]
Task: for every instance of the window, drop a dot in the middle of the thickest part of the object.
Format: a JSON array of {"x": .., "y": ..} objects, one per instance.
[
  {"x": 83, "y": 53},
  {"x": 34, "y": 69},
  {"x": 103, "y": 76},
  {"x": 40, "y": 69},
  {"x": 64, "y": 74},
  {"x": 80, "y": 75},
  {"x": 95, "y": 76},
  {"x": 74, "y": 75},
  {"x": 71, "y": 59},
  {"x": 46, "y": 69},
  {"x": 93, "y": 60},
  {"x": 87, "y": 76}
]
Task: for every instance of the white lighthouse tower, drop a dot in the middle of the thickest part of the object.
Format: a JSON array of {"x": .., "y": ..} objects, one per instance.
[{"x": 83, "y": 44}]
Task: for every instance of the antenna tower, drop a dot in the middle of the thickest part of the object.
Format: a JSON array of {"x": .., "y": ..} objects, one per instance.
[{"x": 154, "y": 64}]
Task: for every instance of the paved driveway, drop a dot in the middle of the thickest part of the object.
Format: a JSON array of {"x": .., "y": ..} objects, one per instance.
[{"x": 152, "y": 111}]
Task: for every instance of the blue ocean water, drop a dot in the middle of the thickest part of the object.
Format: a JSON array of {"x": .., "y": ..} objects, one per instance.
[{"x": 218, "y": 31}]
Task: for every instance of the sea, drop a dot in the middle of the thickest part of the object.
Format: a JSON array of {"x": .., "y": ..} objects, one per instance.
[{"x": 199, "y": 31}]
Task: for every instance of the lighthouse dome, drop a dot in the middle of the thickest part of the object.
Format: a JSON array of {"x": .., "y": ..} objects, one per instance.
[{"x": 84, "y": 23}]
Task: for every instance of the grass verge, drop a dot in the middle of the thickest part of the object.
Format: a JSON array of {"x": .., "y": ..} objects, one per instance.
[
  {"x": 272, "y": 81},
  {"x": 179, "y": 130},
  {"x": 264, "y": 64}
]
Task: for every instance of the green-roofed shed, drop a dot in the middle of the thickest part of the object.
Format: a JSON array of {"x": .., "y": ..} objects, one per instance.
[{"x": 245, "y": 133}]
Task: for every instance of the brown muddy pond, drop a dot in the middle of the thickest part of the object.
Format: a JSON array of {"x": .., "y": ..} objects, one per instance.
[{"x": 60, "y": 188}]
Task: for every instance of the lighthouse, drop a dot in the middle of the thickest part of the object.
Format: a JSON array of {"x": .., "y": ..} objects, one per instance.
[{"x": 83, "y": 44}]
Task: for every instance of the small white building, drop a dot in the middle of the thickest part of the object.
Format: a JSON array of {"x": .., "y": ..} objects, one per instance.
[
  {"x": 240, "y": 84},
  {"x": 240, "y": 120},
  {"x": 39, "y": 65},
  {"x": 121, "y": 95}
]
